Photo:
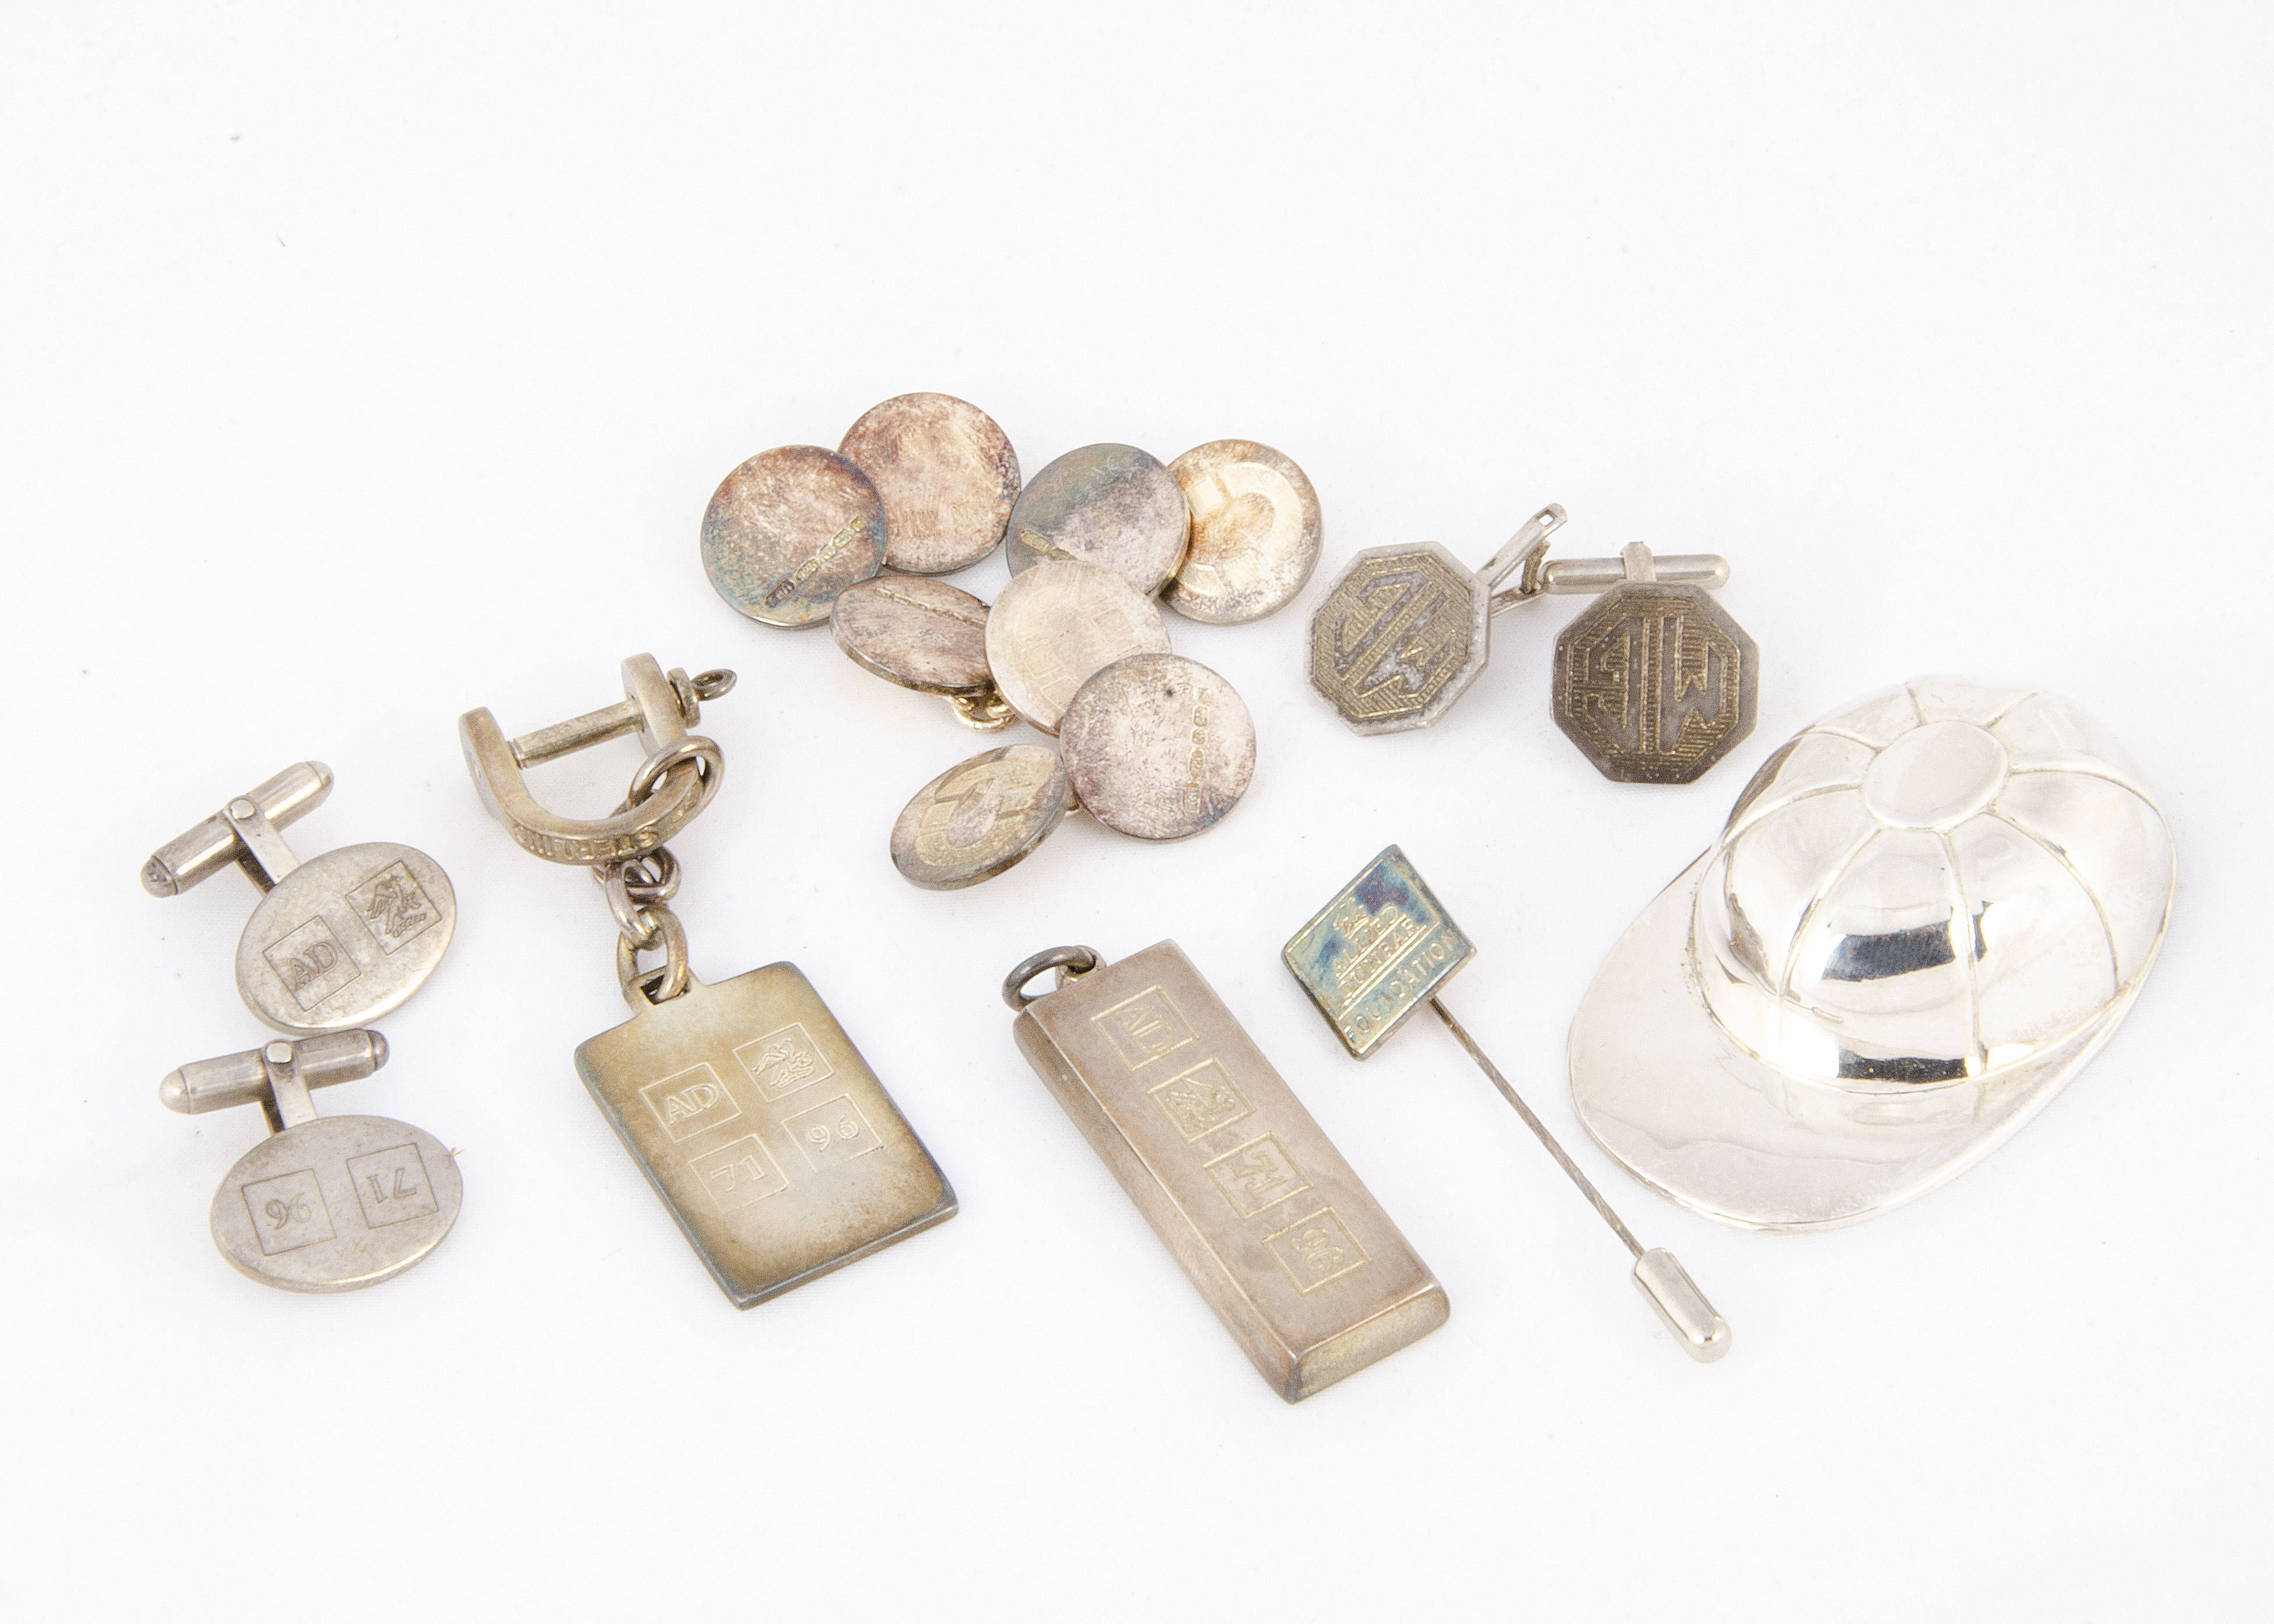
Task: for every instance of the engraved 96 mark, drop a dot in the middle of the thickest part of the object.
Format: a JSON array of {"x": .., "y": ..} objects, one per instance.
[{"x": 282, "y": 1213}]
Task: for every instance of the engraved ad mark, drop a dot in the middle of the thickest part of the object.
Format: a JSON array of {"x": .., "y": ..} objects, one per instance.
[
  {"x": 311, "y": 963},
  {"x": 1143, "y": 1028},
  {"x": 691, "y": 1101}
]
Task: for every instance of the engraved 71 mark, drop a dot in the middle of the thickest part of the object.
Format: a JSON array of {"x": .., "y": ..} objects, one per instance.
[{"x": 402, "y": 1192}]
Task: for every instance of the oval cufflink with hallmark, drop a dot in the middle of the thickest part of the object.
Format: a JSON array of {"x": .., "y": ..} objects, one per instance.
[
  {"x": 325, "y": 1203},
  {"x": 1655, "y": 683},
  {"x": 333, "y": 942}
]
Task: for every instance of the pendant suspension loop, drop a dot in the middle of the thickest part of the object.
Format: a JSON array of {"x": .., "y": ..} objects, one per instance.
[
  {"x": 662, "y": 982},
  {"x": 695, "y": 752},
  {"x": 1071, "y": 963},
  {"x": 634, "y": 883}
]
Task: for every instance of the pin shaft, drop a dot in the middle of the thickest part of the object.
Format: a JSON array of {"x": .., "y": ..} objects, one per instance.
[{"x": 1586, "y": 1187}]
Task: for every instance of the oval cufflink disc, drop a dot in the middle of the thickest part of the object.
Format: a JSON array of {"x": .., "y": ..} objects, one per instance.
[
  {"x": 1399, "y": 636},
  {"x": 980, "y": 818},
  {"x": 345, "y": 939},
  {"x": 1655, "y": 683},
  {"x": 336, "y": 1204}
]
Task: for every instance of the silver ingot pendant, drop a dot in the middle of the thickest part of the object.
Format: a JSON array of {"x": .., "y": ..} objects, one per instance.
[
  {"x": 325, "y": 1203},
  {"x": 1270, "y": 1224},
  {"x": 1926, "y": 914},
  {"x": 774, "y": 1147}
]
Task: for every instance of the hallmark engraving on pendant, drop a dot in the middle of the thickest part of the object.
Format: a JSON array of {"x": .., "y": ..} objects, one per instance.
[
  {"x": 1200, "y": 1101},
  {"x": 1258, "y": 1175},
  {"x": 691, "y": 1101},
  {"x": 310, "y": 962},
  {"x": 1315, "y": 1250},
  {"x": 391, "y": 1185},
  {"x": 782, "y": 1063},
  {"x": 288, "y": 1212},
  {"x": 1655, "y": 683},
  {"x": 737, "y": 1175},
  {"x": 1143, "y": 1028},
  {"x": 392, "y": 906},
  {"x": 832, "y": 1134}
]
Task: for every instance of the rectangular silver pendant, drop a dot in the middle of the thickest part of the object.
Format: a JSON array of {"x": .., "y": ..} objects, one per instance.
[
  {"x": 1301, "y": 1265},
  {"x": 777, "y": 1152}
]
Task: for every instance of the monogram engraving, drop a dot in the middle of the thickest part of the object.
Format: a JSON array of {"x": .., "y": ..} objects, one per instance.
[
  {"x": 971, "y": 802},
  {"x": 832, "y": 1134},
  {"x": 311, "y": 963},
  {"x": 1315, "y": 1250},
  {"x": 782, "y": 1063},
  {"x": 391, "y": 1185},
  {"x": 393, "y": 907},
  {"x": 1143, "y": 1028},
  {"x": 1258, "y": 1175},
  {"x": 288, "y": 1212},
  {"x": 1655, "y": 683},
  {"x": 739, "y": 1175},
  {"x": 1200, "y": 1100},
  {"x": 691, "y": 1101},
  {"x": 1392, "y": 634}
]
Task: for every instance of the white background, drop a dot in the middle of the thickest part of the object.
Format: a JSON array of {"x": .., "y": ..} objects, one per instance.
[{"x": 359, "y": 368}]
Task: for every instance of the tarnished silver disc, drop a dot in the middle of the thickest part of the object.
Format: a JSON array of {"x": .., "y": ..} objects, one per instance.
[
  {"x": 923, "y": 635},
  {"x": 1256, "y": 531},
  {"x": 336, "y": 1204},
  {"x": 946, "y": 473},
  {"x": 788, "y": 531},
  {"x": 980, "y": 818},
  {"x": 1058, "y": 622},
  {"x": 345, "y": 939},
  {"x": 1157, "y": 746},
  {"x": 1110, "y": 505}
]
